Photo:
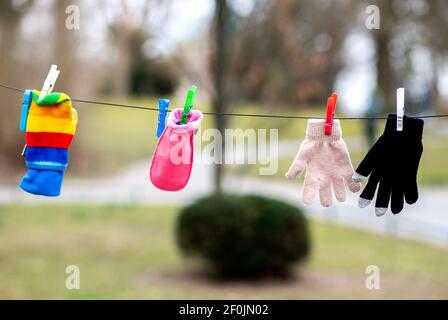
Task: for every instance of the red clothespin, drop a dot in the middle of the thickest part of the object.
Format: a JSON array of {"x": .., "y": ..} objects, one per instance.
[{"x": 331, "y": 109}]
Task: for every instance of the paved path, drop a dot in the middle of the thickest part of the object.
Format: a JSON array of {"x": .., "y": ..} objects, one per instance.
[{"x": 425, "y": 221}]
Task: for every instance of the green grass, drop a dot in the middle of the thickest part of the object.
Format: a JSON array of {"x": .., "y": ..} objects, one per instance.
[
  {"x": 114, "y": 137},
  {"x": 433, "y": 170},
  {"x": 130, "y": 252}
]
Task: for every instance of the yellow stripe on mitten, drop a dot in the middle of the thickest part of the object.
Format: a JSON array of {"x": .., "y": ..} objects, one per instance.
[{"x": 54, "y": 114}]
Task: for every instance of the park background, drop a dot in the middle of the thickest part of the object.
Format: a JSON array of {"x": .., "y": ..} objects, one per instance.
[{"x": 254, "y": 56}]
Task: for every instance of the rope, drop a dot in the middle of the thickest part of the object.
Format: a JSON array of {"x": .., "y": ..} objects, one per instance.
[{"x": 229, "y": 114}]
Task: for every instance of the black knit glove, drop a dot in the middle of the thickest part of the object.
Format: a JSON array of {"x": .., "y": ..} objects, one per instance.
[{"x": 393, "y": 164}]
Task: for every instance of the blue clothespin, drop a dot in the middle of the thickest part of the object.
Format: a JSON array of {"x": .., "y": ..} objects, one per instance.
[
  {"x": 27, "y": 97},
  {"x": 163, "y": 108}
]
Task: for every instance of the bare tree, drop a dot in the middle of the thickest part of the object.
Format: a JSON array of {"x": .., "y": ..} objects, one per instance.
[
  {"x": 287, "y": 51},
  {"x": 11, "y": 14},
  {"x": 219, "y": 67},
  {"x": 65, "y": 47},
  {"x": 385, "y": 75},
  {"x": 129, "y": 31}
]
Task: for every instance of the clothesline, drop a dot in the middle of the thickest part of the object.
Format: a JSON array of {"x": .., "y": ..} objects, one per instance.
[
  {"x": 229, "y": 114},
  {"x": 50, "y": 131}
]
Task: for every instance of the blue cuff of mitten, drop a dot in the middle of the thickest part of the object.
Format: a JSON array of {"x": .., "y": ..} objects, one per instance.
[
  {"x": 43, "y": 182},
  {"x": 44, "y": 158},
  {"x": 46, "y": 168}
]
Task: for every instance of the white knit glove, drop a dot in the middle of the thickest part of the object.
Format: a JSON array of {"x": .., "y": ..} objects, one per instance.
[{"x": 327, "y": 164}]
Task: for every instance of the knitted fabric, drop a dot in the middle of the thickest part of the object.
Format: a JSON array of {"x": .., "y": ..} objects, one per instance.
[
  {"x": 392, "y": 164},
  {"x": 173, "y": 158},
  {"x": 50, "y": 127},
  {"x": 327, "y": 162}
]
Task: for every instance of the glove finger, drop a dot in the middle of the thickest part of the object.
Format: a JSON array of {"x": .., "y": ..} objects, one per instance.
[
  {"x": 294, "y": 172},
  {"x": 382, "y": 198},
  {"x": 371, "y": 159},
  {"x": 369, "y": 191},
  {"x": 300, "y": 160},
  {"x": 310, "y": 187},
  {"x": 411, "y": 192},
  {"x": 325, "y": 192},
  {"x": 397, "y": 201},
  {"x": 352, "y": 185},
  {"x": 339, "y": 188}
]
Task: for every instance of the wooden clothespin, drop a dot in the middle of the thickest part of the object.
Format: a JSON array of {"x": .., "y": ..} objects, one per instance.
[
  {"x": 331, "y": 109},
  {"x": 400, "y": 108},
  {"x": 52, "y": 76}
]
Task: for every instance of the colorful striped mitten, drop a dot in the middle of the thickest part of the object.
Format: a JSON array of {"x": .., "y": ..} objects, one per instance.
[{"x": 50, "y": 127}]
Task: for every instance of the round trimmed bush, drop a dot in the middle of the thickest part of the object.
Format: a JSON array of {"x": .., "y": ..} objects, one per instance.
[{"x": 244, "y": 235}]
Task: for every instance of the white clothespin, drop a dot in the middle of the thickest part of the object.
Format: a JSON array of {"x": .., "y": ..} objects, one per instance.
[
  {"x": 400, "y": 108},
  {"x": 49, "y": 82}
]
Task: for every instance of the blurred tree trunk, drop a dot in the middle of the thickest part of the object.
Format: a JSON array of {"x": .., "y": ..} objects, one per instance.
[
  {"x": 65, "y": 55},
  {"x": 219, "y": 65},
  {"x": 126, "y": 29},
  {"x": 11, "y": 143},
  {"x": 64, "y": 50},
  {"x": 123, "y": 34},
  {"x": 436, "y": 19},
  {"x": 435, "y": 94},
  {"x": 385, "y": 81}
]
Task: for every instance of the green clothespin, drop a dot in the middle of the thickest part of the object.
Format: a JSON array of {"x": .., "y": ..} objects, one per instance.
[{"x": 188, "y": 103}]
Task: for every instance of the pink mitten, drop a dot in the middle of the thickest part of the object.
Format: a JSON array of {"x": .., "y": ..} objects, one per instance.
[
  {"x": 173, "y": 158},
  {"x": 327, "y": 164}
]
